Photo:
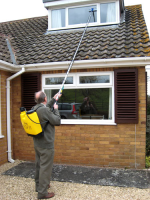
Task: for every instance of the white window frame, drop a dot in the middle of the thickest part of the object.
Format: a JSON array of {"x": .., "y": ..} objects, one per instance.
[
  {"x": 1, "y": 136},
  {"x": 76, "y": 84},
  {"x": 67, "y": 26}
]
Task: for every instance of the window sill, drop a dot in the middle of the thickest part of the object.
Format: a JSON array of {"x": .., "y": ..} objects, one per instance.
[
  {"x": 82, "y": 26},
  {"x": 1, "y": 136},
  {"x": 88, "y": 122}
]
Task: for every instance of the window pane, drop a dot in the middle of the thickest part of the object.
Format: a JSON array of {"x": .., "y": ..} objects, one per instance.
[
  {"x": 108, "y": 12},
  {"x": 58, "y": 80},
  {"x": 58, "y": 18},
  {"x": 94, "y": 79},
  {"x": 94, "y": 103},
  {"x": 80, "y": 15}
]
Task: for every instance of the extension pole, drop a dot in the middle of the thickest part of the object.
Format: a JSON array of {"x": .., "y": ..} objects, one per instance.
[{"x": 70, "y": 66}]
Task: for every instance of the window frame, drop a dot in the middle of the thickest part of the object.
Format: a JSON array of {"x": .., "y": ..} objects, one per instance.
[
  {"x": 67, "y": 26},
  {"x": 77, "y": 85}
]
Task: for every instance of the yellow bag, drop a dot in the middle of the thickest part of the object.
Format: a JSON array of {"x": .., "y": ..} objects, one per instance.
[{"x": 31, "y": 123}]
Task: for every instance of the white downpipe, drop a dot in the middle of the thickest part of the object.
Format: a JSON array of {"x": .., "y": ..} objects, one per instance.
[{"x": 8, "y": 114}]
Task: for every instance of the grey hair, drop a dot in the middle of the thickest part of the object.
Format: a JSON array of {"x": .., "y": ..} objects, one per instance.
[{"x": 41, "y": 97}]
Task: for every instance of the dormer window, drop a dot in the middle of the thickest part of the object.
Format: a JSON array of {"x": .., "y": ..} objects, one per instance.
[
  {"x": 77, "y": 16},
  {"x": 58, "y": 18},
  {"x": 108, "y": 12}
]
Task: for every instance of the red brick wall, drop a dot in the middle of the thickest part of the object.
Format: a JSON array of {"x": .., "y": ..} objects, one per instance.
[
  {"x": 3, "y": 141},
  {"x": 121, "y": 145}
]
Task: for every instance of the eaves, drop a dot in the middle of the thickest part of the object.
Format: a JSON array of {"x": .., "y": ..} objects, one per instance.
[{"x": 80, "y": 64}]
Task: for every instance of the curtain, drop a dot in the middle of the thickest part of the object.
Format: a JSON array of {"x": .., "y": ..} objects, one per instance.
[
  {"x": 111, "y": 12},
  {"x": 110, "y": 104},
  {"x": 56, "y": 19}
]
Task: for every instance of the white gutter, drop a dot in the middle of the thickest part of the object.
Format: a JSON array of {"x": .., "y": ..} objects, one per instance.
[
  {"x": 7, "y": 66},
  {"x": 80, "y": 64},
  {"x": 8, "y": 113},
  {"x": 85, "y": 64}
]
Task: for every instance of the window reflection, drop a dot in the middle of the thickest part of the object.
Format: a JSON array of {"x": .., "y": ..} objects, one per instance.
[
  {"x": 95, "y": 79},
  {"x": 80, "y": 15},
  {"x": 58, "y": 80},
  {"x": 94, "y": 103}
]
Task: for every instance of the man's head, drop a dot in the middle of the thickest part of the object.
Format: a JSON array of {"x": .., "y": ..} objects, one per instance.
[{"x": 40, "y": 97}]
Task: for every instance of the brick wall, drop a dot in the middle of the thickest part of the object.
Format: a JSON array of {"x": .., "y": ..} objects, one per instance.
[
  {"x": 3, "y": 141},
  {"x": 121, "y": 145}
]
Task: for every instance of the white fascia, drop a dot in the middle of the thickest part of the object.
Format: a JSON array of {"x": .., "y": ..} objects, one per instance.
[
  {"x": 65, "y": 2},
  {"x": 86, "y": 64},
  {"x": 8, "y": 66},
  {"x": 80, "y": 64}
]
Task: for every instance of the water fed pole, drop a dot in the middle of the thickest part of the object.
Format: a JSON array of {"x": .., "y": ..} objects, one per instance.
[{"x": 70, "y": 66}]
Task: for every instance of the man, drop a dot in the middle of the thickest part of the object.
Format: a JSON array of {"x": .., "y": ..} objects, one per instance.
[{"x": 44, "y": 145}]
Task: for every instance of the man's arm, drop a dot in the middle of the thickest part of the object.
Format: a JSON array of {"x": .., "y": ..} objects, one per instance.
[{"x": 51, "y": 103}]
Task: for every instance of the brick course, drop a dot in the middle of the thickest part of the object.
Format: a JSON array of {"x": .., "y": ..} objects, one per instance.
[{"x": 121, "y": 145}]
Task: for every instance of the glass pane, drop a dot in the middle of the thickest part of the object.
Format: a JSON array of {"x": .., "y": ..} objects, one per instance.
[
  {"x": 94, "y": 103},
  {"x": 58, "y": 80},
  {"x": 58, "y": 18},
  {"x": 108, "y": 12},
  {"x": 94, "y": 79},
  {"x": 80, "y": 15}
]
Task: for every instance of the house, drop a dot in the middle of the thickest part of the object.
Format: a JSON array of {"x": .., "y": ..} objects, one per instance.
[{"x": 105, "y": 91}]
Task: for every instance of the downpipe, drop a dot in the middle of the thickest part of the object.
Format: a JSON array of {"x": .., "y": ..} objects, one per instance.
[{"x": 8, "y": 114}]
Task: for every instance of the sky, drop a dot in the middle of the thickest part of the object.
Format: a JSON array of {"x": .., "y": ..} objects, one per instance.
[{"x": 21, "y": 9}]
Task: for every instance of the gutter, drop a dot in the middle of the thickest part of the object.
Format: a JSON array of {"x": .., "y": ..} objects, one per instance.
[
  {"x": 8, "y": 66},
  {"x": 80, "y": 64},
  {"x": 8, "y": 113},
  {"x": 85, "y": 64}
]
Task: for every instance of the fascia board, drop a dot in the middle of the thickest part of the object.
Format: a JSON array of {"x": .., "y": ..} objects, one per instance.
[
  {"x": 65, "y": 2},
  {"x": 84, "y": 64},
  {"x": 8, "y": 66},
  {"x": 80, "y": 64}
]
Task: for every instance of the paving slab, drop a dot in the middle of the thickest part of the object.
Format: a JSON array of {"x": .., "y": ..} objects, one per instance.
[{"x": 88, "y": 175}]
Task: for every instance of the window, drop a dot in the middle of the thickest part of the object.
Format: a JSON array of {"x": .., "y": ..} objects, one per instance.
[
  {"x": 80, "y": 15},
  {"x": 1, "y": 136},
  {"x": 108, "y": 12},
  {"x": 58, "y": 18},
  {"x": 88, "y": 99},
  {"x": 77, "y": 16}
]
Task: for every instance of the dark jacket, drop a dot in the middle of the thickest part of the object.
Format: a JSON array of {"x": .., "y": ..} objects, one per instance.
[{"x": 45, "y": 114}]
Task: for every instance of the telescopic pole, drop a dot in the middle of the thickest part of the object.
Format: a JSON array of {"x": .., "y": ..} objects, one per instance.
[{"x": 70, "y": 66}]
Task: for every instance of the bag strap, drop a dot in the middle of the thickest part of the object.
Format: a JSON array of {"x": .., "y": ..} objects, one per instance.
[{"x": 34, "y": 121}]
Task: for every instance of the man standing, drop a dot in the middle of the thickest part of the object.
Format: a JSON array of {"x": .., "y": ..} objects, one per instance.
[{"x": 44, "y": 145}]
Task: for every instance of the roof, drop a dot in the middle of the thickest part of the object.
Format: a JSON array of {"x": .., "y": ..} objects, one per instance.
[{"x": 31, "y": 45}]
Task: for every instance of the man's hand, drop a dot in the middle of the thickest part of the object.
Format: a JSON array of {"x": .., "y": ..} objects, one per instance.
[
  {"x": 55, "y": 106},
  {"x": 59, "y": 95}
]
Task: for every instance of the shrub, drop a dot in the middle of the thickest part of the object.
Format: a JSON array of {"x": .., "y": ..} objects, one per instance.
[{"x": 147, "y": 162}]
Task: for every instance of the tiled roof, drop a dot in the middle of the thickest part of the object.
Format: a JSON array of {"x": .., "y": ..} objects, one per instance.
[{"x": 31, "y": 44}]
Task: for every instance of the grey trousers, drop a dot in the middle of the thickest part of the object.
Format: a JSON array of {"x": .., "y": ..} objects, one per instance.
[{"x": 43, "y": 166}]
